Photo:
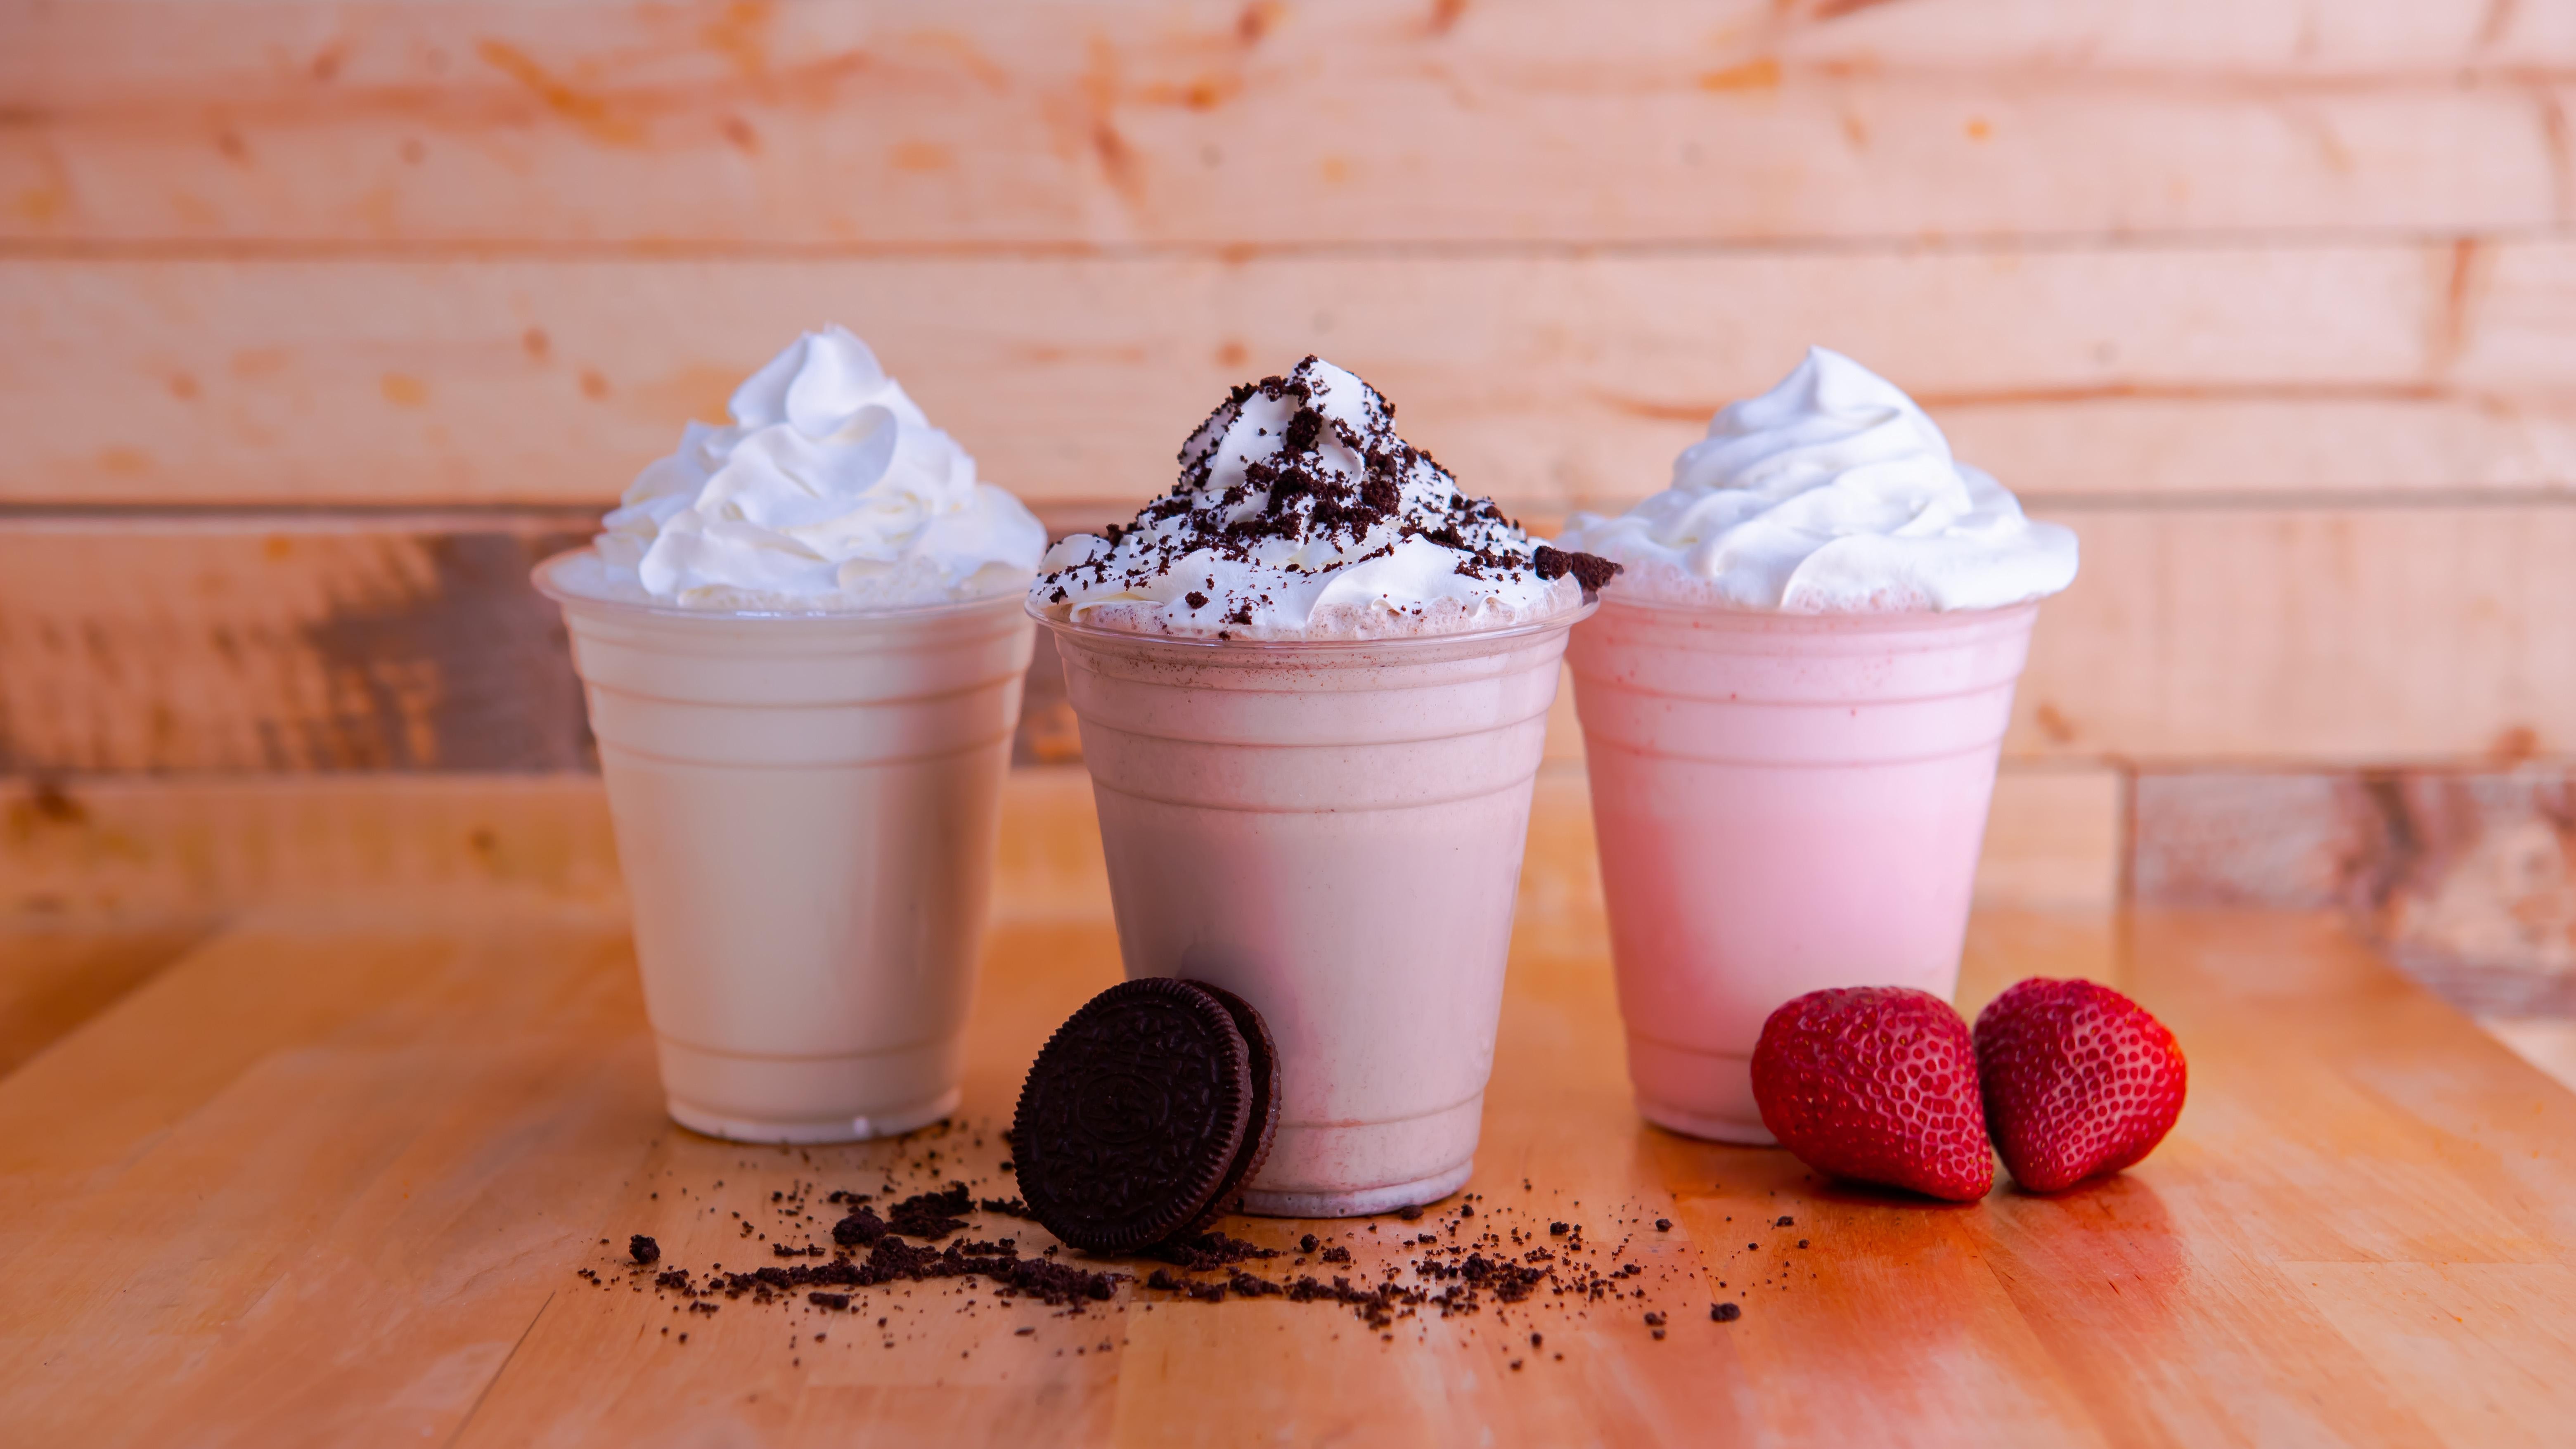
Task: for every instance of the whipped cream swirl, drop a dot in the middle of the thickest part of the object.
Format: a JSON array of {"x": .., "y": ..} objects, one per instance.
[
  {"x": 829, "y": 492},
  {"x": 1831, "y": 493},
  {"x": 1300, "y": 514}
]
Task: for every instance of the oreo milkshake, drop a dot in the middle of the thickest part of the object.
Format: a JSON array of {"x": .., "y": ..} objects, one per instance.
[{"x": 1312, "y": 680}]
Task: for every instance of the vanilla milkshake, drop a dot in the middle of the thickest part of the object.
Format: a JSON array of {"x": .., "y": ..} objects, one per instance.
[
  {"x": 1313, "y": 682},
  {"x": 1793, "y": 701},
  {"x": 802, "y": 639}
]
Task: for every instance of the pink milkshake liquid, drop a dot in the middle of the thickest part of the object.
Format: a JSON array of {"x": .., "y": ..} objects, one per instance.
[
  {"x": 1785, "y": 802},
  {"x": 1333, "y": 831}
]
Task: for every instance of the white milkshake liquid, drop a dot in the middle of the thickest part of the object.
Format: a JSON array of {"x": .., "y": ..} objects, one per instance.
[
  {"x": 1332, "y": 831},
  {"x": 805, "y": 808}
]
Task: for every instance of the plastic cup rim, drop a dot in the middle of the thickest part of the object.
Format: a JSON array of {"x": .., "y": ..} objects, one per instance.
[
  {"x": 540, "y": 577},
  {"x": 1531, "y": 629},
  {"x": 1893, "y": 618}
]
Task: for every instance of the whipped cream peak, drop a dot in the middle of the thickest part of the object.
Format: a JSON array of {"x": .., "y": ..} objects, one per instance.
[
  {"x": 829, "y": 492},
  {"x": 1831, "y": 493},
  {"x": 1301, "y": 513}
]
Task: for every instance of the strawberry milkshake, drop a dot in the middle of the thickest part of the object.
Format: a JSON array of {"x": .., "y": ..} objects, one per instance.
[
  {"x": 1793, "y": 701},
  {"x": 802, "y": 640},
  {"x": 1313, "y": 680}
]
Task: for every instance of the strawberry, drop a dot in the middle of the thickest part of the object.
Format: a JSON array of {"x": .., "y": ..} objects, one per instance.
[
  {"x": 1877, "y": 1083},
  {"x": 2079, "y": 1081}
]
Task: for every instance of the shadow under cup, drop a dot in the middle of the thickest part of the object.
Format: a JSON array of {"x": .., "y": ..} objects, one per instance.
[
  {"x": 1784, "y": 803},
  {"x": 806, "y": 808},
  {"x": 1332, "y": 831}
]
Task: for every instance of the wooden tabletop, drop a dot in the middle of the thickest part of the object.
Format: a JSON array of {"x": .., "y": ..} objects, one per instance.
[{"x": 338, "y": 1183}]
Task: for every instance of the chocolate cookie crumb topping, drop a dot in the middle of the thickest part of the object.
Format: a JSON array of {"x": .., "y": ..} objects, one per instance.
[
  {"x": 1293, "y": 488},
  {"x": 1589, "y": 570}
]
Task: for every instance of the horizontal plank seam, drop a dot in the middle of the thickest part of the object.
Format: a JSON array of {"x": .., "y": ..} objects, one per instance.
[
  {"x": 415, "y": 515},
  {"x": 2293, "y": 500},
  {"x": 418, "y": 516},
  {"x": 2064, "y": 763},
  {"x": 2152, "y": 390},
  {"x": 2441, "y": 69},
  {"x": 584, "y": 517},
  {"x": 309, "y": 249}
]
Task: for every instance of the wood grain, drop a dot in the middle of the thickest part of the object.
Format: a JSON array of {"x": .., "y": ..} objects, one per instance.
[
  {"x": 145, "y": 849},
  {"x": 327, "y": 1207},
  {"x": 210, "y": 846},
  {"x": 2467, "y": 879},
  {"x": 1224, "y": 123},
  {"x": 297, "y": 644},
  {"x": 2408, "y": 636},
  {"x": 353, "y": 1212},
  {"x": 58, "y": 973},
  {"x": 1557, "y": 380},
  {"x": 2545, "y": 1043},
  {"x": 2370, "y": 637},
  {"x": 2520, "y": 306},
  {"x": 2057, "y": 839}
]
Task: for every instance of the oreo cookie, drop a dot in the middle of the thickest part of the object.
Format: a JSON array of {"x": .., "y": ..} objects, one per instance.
[
  {"x": 1145, "y": 1114},
  {"x": 1265, "y": 1101}
]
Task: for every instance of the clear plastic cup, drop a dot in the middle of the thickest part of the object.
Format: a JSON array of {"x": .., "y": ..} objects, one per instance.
[
  {"x": 805, "y": 808},
  {"x": 1332, "y": 831},
  {"x": 1784, "y": 803}
]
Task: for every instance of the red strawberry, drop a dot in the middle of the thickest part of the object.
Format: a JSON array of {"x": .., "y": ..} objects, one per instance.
[
  {"x": 1877, "y": 1083},
  {"x": 2079, "y": 1081}
]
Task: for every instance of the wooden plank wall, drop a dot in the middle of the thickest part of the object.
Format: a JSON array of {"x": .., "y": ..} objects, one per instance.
[{"x": 318, "y": 321}]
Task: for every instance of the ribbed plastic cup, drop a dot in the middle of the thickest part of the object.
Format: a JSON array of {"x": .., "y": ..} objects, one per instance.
[
  {"x": 805, "y": 808},
  {"x": 1332, "y": 831},
  {"x": 1784, "y": 803}
]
